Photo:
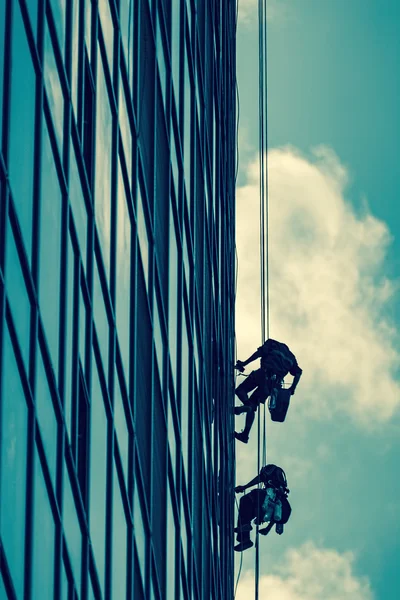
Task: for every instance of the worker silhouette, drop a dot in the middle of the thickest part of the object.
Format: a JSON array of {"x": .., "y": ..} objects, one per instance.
[
  {"x": 267, "y": 381},
  {"x": 266, "y": 504}
]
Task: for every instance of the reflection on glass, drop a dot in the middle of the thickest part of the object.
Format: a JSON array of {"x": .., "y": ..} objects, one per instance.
[
  {"x": 171, "y": 549},
  {"x": 125, "y": 128},
  {"x": 123, "y": 275},
  {"x": 98, "y": 466},
  {"x": 119, "y": 543},
  {"x": 46, "y": 417},
  {"x": 43, "y": 539},
  {"x": 107, "y": 27},
  {"x": 186, "y": 401},
  {"x": 139, "y": 531},
  {"x": 50, "y": 248},
  {"x": 187, "y": 129},
  {"x": 21, "y": 133},
  {"x": 143, "y": 236},
  {"x": 82, "y": 326},
  {"x": 18, "y": 296},
  {"x": 158, "y": 340},
  {"x": 58, "y": 7},
  {"x": 172, "y": 438},
  {"x": 126, "y": 24},
  {"x": 103, "y": 164},
  {"x": 75, "y": 55},
  {"x": 53, "y": 87},
  {"x": 174, "y": 162},
  {"x": 2, "y": 27},
  {"x": 173, "y": 296},
  {"x": 161, "y": 63},
  {"x": 78, "y": 205},
  {"x": 70, "y": 317},
  {"x": 175, "y": 45},
  {"x": 121, "y": 426},
  {"x": 13, "y": 434},
  {"x": 100, "y": 317},
  {"x": 72, "y": 530}
]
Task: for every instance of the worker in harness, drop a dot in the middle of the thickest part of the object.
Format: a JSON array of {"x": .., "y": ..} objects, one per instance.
[
  {"x": 267, "y": 381},
  {"x": 266, "y": 504}
]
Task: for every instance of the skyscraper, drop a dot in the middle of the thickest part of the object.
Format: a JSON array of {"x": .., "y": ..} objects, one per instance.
[{"x": 117, "y": 298}]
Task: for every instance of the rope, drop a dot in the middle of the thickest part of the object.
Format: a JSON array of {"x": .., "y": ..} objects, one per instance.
[{"x": 264, "y": 275}]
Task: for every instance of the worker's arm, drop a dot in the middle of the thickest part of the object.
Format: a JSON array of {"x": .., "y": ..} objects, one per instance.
[
  {"x": 242, "y": 363},
  {"x": 242, "y": 488},
  {"x": 297, "y": 374}
]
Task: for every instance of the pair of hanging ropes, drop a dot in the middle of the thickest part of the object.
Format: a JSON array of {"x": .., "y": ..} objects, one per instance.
[{"x": 263, "y": 174}]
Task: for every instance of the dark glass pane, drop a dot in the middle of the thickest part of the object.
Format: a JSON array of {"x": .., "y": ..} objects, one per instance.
[
  {"x": 70, "y": 325},
  {"x": 46, "y": 417},
  {"x": 72, "y": 530},
  {"x": 43, "y": 539},
  {"x": 103, "y": 165},
  {"x": 21, "y": 134},
  {"x": 18, "y": 296},
  {"x": 78, "y": 205},
  {"x": 98, "y": 466},
  {"x": 121, "y": 427},
  {"x": 13, "y": 467},
  {"x": 119, "y": 543},
  {"x": 100, "y": 318},
  {"x": 50, "y": 248},
  {"x": 53, "y": 87},
  {"x": 123, "y": 276}
]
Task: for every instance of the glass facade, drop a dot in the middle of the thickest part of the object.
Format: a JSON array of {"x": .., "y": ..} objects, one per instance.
[{"x": 117, "y": 177}]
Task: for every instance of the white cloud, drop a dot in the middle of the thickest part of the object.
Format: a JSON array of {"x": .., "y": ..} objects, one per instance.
[
  {"x": 248, "y": 11},
  {"x": 308, "y": 573},
  {"x": 328, "y": 289}
]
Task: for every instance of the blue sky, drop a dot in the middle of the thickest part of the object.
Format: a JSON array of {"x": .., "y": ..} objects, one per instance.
[{"x": 334, "y": 172}]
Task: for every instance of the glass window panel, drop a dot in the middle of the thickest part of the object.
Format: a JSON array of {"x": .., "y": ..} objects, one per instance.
[
  {"x": 123, "y": 275},
  {"x": 187, "y": 128},
  {"x": 121, "y": 426},
  {"x": 50, "y": 248},
  {"x": 125, "y": 128},
  {"x": 119, "y": 578},
  {"x": 174, "y": 162},
  {"x": 70, "y": 318},
  {"x": 158, "y": 340},
  {"x": 126, "y": 24},
  {"x": 172, "y": 437},
  {"x": 175, "y": 45},
  {"x": 100, "y": 317},
  {"x": 58, "y": 7},
  {"x": 107, "y": 27},
  {"x": 64, "y": 583},
  {"x": 2, "y": 27},
  {"x": 143, "y": 236},
  {"x": 161, "y": 63},
  {"x": 185, "y": 395},
  {"x": 18, "y": 296},
  {"x": 98, "y": 470},
  {"x": 88, "y": 26},
  {"x": 103, "y": 165},
  {"x": 21, "y": 133},
  {"x": 53, "y": 86},
  {"x": 78, "y": 205},
  {"x": 13, "y": 466},
  {"x": 171, "y": 549},
  {"x": 33, "y": 13},
  {"x": 82, "y": 326},
  {"x": 75, "y": 55},
  {"x": 43, "y": 539},
  {"x": 46, "y": 417},
  {"x": 140, "y": 534},
  {"x": 184, "y": 537},
  {"x": 173, "y": 295},
  {"x": 72, "y": 530}
]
